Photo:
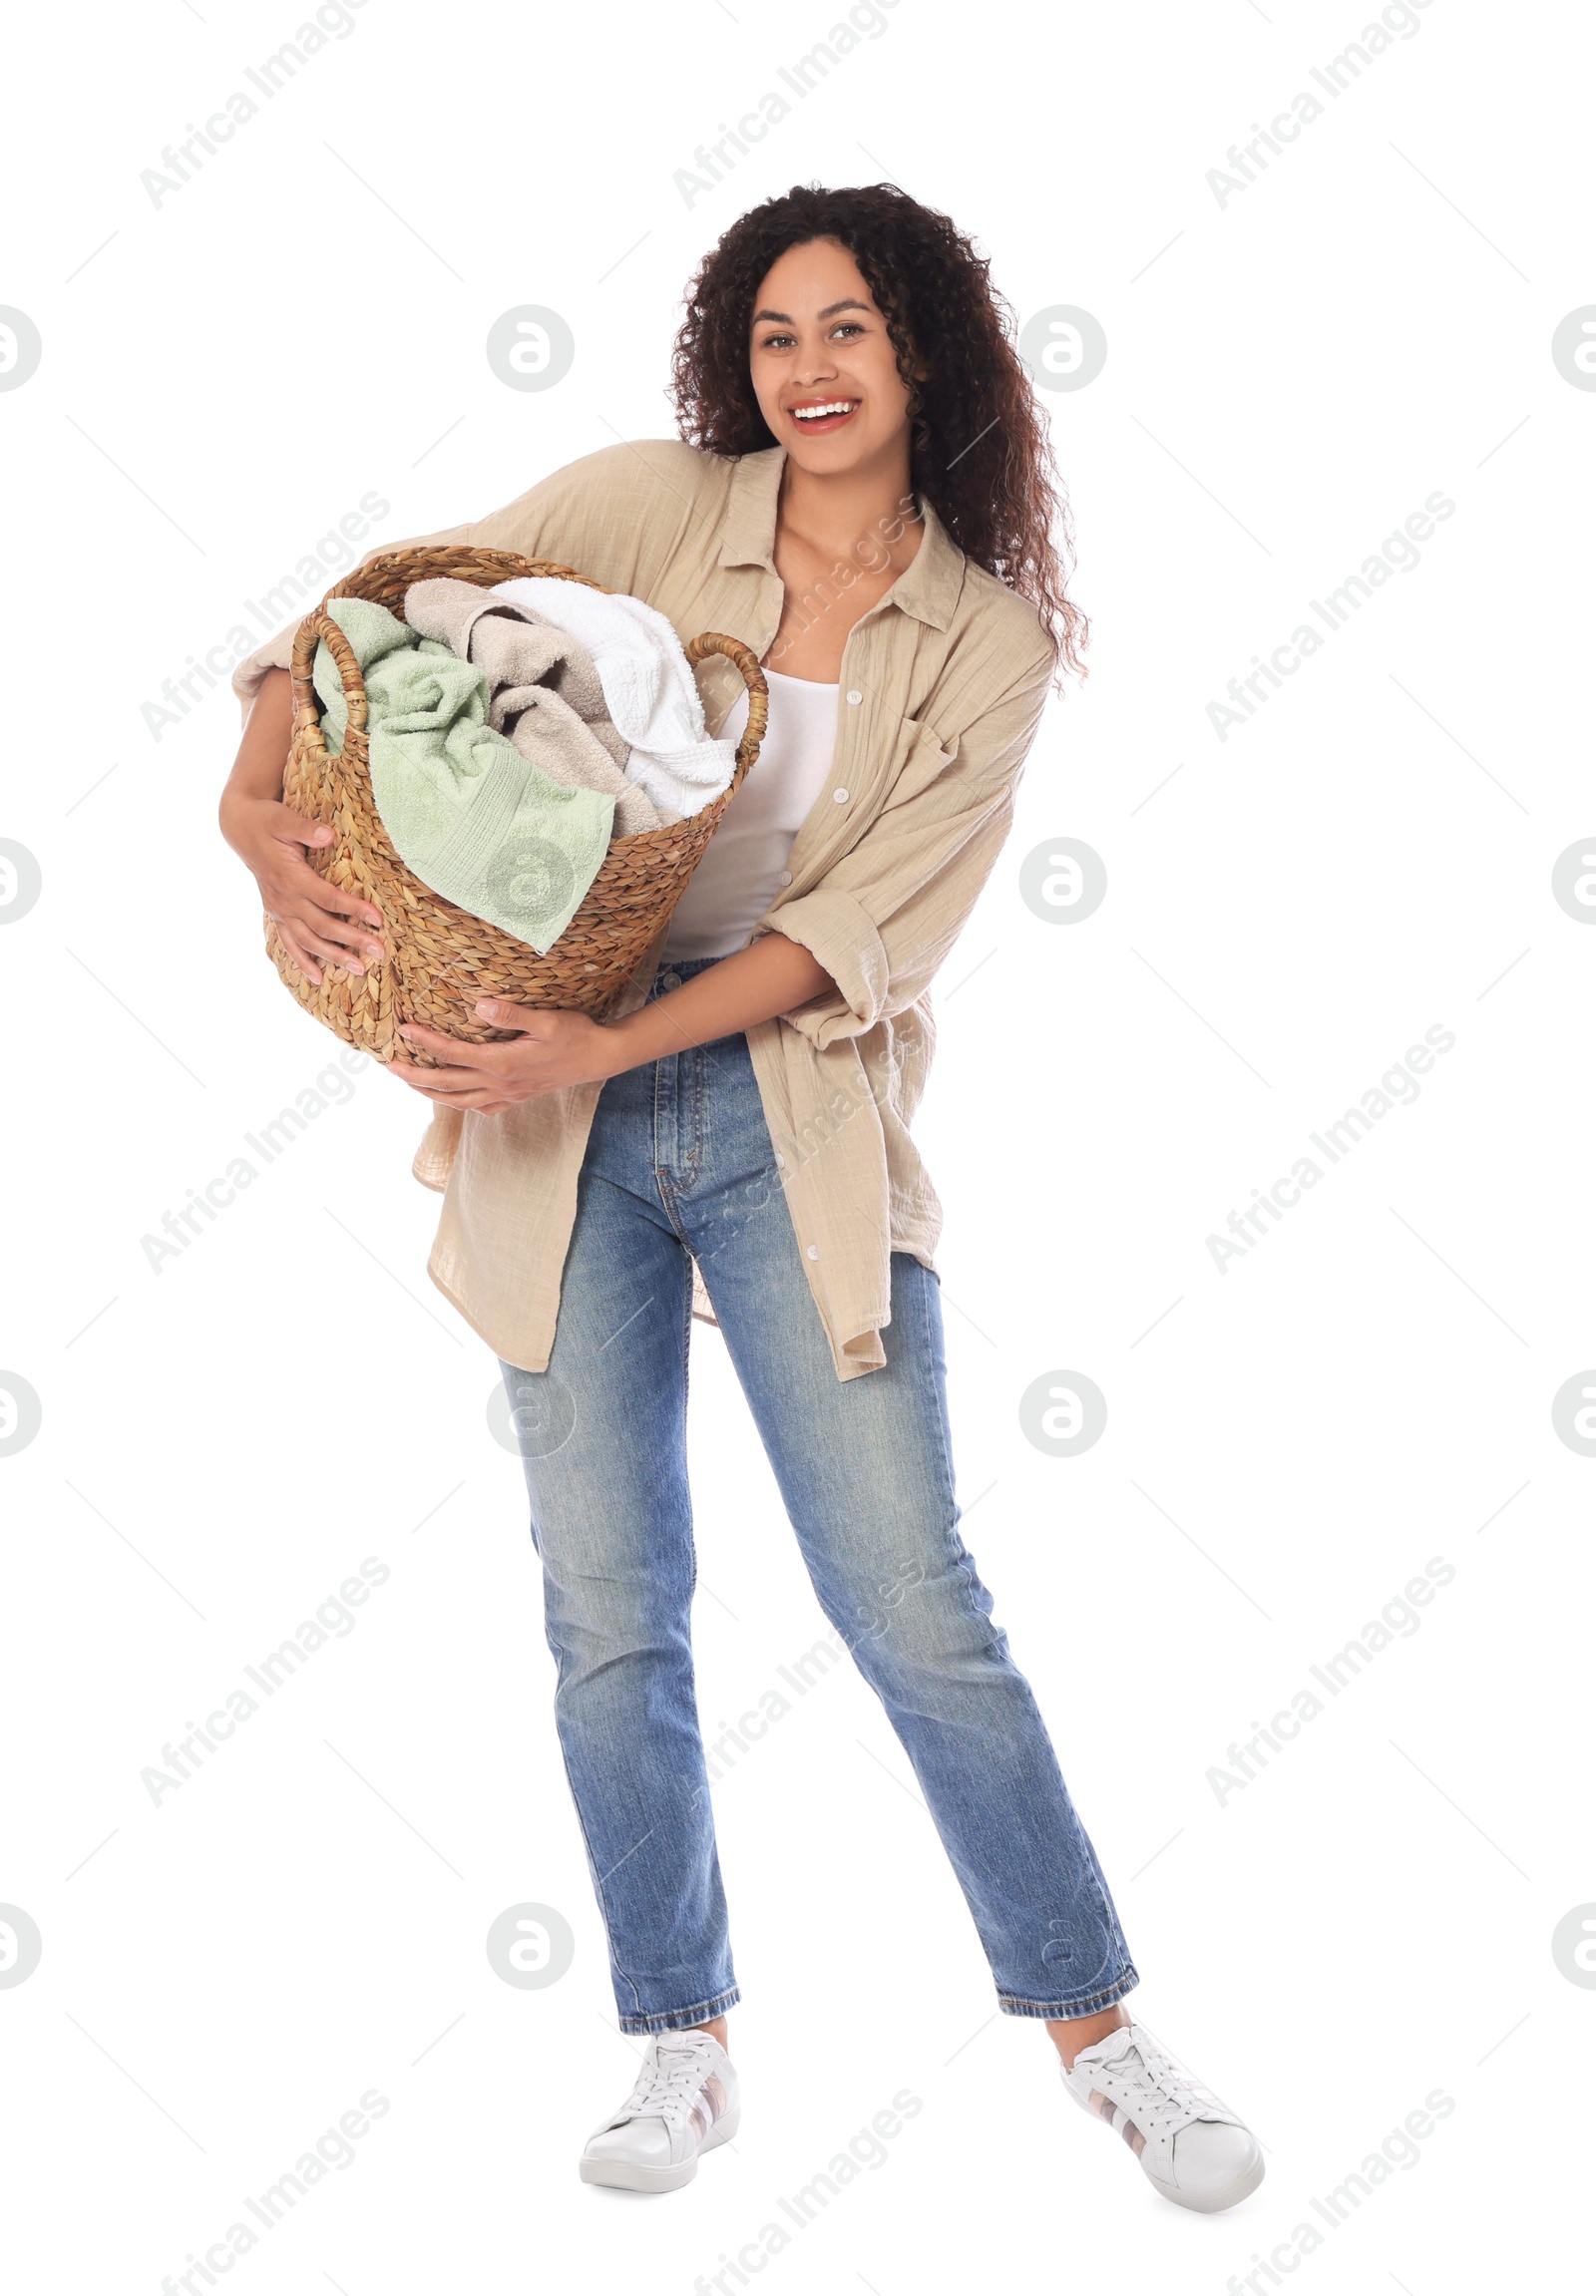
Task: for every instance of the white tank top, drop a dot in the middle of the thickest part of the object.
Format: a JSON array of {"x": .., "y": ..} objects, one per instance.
[{"x": 742, "y": 870}]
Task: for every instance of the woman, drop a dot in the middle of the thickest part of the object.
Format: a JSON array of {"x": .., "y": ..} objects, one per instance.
[{"x": 863, "y": 495}]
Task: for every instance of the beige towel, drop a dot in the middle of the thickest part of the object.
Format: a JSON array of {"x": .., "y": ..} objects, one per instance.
[{"x": 545, "y": 693}]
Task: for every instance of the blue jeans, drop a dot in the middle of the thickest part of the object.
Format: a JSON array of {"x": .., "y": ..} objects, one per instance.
[{"x": 679, "y": 1161}]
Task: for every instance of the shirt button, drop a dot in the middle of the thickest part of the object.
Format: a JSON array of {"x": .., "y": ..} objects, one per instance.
[
  {"x": 840, "y": 796},
  {"x": 786, "y": 876},
  {"x": 856, "y": 697},
  {"x": 814, "y": 1252}
]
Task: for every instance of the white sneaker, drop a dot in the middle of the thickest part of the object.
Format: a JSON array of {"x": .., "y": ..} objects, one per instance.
[
  {"x": 1195, "y": 2151},
  {"x": 684, "y": 2103}
]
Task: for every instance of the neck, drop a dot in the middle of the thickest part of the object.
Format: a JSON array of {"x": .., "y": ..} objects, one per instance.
[{"x": 835, "y": 511}]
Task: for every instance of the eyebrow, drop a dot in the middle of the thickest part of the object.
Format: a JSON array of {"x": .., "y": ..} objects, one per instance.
[{"x": 849, "y": 304}]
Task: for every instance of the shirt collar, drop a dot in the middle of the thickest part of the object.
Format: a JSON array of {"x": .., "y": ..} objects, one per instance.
[{"x": 927, "y": 587}]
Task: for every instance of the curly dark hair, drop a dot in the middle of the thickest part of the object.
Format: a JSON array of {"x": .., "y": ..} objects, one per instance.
[{"x": 978, "y": 450}]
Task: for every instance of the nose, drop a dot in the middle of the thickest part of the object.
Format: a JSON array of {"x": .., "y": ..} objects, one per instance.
[{"x": 816, "y": 365}]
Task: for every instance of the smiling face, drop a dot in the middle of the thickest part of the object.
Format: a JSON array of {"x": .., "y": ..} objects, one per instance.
[{"x": 822, "y": 363}]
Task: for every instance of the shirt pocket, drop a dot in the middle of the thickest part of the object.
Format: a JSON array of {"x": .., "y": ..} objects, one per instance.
[{"x": 921, "y": 756}]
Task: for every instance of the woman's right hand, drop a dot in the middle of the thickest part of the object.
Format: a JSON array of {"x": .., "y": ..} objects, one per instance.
[
  {"x": 316, "y": 924},
  {"x": 314, "y": 919}
]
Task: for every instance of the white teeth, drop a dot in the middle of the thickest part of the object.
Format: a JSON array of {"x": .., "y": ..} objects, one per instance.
[{"x": 814, "y": 414}]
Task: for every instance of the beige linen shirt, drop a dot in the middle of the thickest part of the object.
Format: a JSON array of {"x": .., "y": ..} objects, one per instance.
[{"x": 942, "y": 686}]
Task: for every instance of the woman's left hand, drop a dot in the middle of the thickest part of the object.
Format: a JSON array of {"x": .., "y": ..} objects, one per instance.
[{"x": 553, "y": 1050}]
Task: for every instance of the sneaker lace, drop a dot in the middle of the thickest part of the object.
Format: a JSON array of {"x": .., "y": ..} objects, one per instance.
[
  {"x": 672, "y": 2074},
  {"x": 1156, "y": 2091}
]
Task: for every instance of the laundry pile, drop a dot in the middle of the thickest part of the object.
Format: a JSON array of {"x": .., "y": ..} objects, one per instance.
[{"x": 514, "y": 731}]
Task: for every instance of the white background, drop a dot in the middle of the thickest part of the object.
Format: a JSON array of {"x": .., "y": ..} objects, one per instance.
[{"x": 1288, "y": 1442}]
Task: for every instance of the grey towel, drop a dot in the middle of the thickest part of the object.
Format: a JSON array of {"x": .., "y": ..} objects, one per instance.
[{"x": 543, "y": 690}]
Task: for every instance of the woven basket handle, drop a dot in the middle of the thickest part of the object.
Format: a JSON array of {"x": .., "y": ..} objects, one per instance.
[
  {"x": 306, "y": 708},
  {"x": 742, "y": 658}
]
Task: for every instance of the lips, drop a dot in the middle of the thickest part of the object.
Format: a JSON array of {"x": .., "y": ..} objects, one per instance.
[{"x": 824, "y": 414}]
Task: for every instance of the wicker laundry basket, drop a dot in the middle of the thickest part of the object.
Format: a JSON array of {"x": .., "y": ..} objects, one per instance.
[{"x": 440, "y": 957}]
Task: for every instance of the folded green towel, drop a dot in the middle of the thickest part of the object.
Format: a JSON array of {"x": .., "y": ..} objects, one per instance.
[{"x": 475, "y": 820}]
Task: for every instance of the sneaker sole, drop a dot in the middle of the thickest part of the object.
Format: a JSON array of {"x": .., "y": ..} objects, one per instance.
[
  {"x": 644, "y": 2177},
  {"x": 1210, "y": 2203}
]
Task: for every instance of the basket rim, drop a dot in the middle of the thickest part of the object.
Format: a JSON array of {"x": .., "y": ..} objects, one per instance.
[{"x": 318, "y": 625}]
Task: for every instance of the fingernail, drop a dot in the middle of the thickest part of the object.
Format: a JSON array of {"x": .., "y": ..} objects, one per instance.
[{"x": 486, "y": 1007}]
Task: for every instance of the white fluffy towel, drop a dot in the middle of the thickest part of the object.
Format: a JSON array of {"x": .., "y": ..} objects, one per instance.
[{"x": 649, "y": 692}]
